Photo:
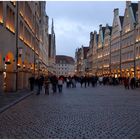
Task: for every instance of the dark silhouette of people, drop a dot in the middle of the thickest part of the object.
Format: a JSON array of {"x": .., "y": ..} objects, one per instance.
[
  {"x": 133, "y": 83},
  {"x": 32, "y": 82},
  {"x": 60, "y": 84},
  {"x": 46, "y": 85},
  {"x": 54, "y": 82},
  {"x": 126, "y": 83}
]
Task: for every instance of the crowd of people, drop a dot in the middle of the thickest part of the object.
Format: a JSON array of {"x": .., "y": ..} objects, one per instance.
[
  {"x": 85, "y": 81},
  {"x": 44, "y": 82}
]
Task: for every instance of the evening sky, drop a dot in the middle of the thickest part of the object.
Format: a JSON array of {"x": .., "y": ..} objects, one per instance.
[{"x": 74, "y": 20}]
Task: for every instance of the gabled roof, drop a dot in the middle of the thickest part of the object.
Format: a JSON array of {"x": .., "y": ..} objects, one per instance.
[
  {"x": 121, "y": 19},
  {"x": 134, "y": 8},
  {"x": 67, "y": 59}
]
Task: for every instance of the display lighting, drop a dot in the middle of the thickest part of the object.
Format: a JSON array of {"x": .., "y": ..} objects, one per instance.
[
  {"x": 100, "y": 56},
  {"x": 18, "y": 65},
  {"x": 21, "y": 13},
  {"x": 21, "y": 37},
  {"x": 7, "y": 60},
  {"x": 137, "y": 40},
  {"x": 23, "y": 66},
  {"x": 10, "y": 27},
  {"x": 27, "y": 43},
  {"x": 127, "y": 30},
  {"x": 1, "y": 19},
  {"x": 28, "y": 23},
  {"x": 106, "y": 66}
]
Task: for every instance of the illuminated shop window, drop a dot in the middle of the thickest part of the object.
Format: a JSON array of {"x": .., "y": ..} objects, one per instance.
[
  {"x": 1, "y": 12},
  {"x": 127, "y": 28},
  {"x": 10, "y": 20}
]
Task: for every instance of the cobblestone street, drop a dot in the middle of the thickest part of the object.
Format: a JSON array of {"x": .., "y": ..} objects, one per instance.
[{"x": 100, "y": 112}]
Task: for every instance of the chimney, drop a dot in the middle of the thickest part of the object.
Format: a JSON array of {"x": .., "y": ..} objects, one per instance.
[
  {"x": 100, "y": 26},
  {"x": 95, "y": 32},
  {"x": 116, "y": 11},
  {"x": 128, "y": 3},
  {"x": 107, "y": 25}
]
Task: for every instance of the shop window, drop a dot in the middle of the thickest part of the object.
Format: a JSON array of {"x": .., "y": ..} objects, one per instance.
[
  {"x": 10, "y": 20},
  {"x": 1, "y": 12}
]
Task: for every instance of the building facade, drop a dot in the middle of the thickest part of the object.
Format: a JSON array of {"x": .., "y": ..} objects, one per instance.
[
  {"x": 128, "y": 40},
  {"x": 100, "y": 50},
  {"x": 94, "y": 58},
  {"x": 106, "y": 51},
  {"x": 137, "y": 44},
  {"x": 81, "y": 60},
  {"x": 65, "y": 65},
  {"x": 90, "y": 55},
  {"x": 116, "y": 50},
  {"x": 116, "y": 44},
  {"x": 23, "y": 40}
]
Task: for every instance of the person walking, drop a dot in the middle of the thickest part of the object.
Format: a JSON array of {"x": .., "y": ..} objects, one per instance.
[
  {"x": 46, "y": 85},
  {"x": 32, "y": 82},
  {"x": 126, "y": 83},
  {"x": 60, "y": 84},
  {"x": 54, "y": 82},
  {"x": 39, "y": 84},
  {"x": 133, "y": 83}
]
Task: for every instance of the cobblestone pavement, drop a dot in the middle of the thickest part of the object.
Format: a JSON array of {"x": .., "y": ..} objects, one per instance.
[
  {"x": 100, "y": 112},
  {"x": 8, "y": 99}
]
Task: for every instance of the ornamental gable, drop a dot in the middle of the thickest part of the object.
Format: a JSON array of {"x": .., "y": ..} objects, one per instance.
[
  {"x": 129, "y": 17},
  {"x": 95, "y": 45},
  {"x": 116, "y": 26},
  {"x": 108, "y": 30}
]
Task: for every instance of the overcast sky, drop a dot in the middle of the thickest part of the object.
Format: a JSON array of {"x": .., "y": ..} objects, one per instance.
[{"x": 74, "y": 20}]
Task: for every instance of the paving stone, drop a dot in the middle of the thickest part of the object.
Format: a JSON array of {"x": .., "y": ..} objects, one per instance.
[{"x": 100, "y": 112}]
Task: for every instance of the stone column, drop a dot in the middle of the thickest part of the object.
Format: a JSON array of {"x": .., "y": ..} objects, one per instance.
[
  {"x": 10, "y": 81},
  {"x": 20, "y": 80},
  {"x": 1, "y": 81},
  {"x": 25, "y": 79}
]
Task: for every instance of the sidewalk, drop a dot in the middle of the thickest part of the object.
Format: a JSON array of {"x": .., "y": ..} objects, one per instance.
[{"x": 9, "y": 99}]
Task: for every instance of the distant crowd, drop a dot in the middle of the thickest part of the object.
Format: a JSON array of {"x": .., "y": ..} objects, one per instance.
[{"x": 85, "y": 81}]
